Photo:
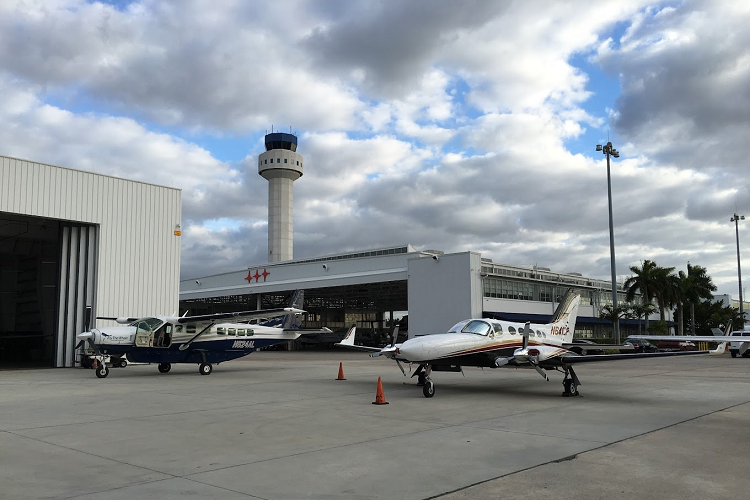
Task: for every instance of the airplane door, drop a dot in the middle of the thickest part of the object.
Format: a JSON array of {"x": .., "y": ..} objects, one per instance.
[{"x": 144, "y": 336}]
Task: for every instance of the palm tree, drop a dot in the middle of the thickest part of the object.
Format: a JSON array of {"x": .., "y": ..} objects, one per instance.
[
  {"x": 616, "y": 314},
  {"x": 645, "y": 281},
  {"x": 641, "y": 310},
  {"x": 699, "y": 286},
  {"x": 667, "y": 286}
]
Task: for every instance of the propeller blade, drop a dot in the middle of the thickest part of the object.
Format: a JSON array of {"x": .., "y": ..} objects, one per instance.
[{"x": 526, "y": 332}]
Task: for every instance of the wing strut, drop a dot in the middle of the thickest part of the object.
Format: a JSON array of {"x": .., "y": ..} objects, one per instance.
[{"x": 187, "y": 344}]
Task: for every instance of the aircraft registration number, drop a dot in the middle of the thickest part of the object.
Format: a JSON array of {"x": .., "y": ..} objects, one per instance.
[{"x": 243, "y": 344}]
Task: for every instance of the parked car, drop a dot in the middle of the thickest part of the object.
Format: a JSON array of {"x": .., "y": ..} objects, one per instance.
[
  {"x": 584, "y": 347},
  {"x": 640, "y": 345},
  {"x": 734, "y": 347},
  {"x": 675, "y": 345}
]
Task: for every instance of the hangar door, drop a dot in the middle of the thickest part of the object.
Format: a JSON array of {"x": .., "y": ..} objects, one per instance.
[
  {"x": 47, "y": 277},
  {"x": 77, "y": 288}
]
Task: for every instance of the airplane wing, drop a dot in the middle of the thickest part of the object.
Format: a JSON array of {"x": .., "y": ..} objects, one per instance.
[
  {"x": 307, "y": 331},
  {"x": 691, "y": 338},
  {"x": 572, "y": 359},
  {"x": 262, "y": 313}
]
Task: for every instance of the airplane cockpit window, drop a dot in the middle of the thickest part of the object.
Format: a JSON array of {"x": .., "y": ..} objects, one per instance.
[
  {"x": 511, "y": 330},
  {"x": 457, "y": 327},
  {"x": 498, "y": 328},
  {"x": 147, "y": 323},
  {"x": 477, "y": 327},
  {"x": 540, "y": 334}
]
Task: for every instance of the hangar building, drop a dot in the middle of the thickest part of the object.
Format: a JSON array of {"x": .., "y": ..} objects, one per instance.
[
  {"x": 437, "y": 290},
  {"x": 75, "y": 245}
]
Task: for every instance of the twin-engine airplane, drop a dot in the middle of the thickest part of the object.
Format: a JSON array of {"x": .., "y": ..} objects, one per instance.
[
  {"x": 490, "y": 343},
  {"x": 192, "y": 339}
]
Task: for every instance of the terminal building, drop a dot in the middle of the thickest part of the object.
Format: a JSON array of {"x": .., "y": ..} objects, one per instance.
[{"x": 370, "y": 288}]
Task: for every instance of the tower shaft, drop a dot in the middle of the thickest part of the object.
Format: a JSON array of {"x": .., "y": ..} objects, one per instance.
[{"x": 281, "y": 165}]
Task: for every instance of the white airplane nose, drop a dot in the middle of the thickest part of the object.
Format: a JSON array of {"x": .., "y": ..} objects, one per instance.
[{"x": 84, "y": 335}]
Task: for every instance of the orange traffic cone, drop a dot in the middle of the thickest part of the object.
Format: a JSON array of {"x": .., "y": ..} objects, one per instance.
[
  {"x": 379, "y": 395},
  {"x": 94, "y": 365},
  {"x": 341, "y": 372}
]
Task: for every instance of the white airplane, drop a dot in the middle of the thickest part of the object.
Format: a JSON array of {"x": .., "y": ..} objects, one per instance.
[
  {"x": 191, "y": 339},
  {"x": 490, "y": 343}
]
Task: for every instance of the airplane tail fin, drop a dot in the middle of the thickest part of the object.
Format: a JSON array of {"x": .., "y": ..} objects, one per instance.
[
  {"x": 294, "y": 321},
  {"x": 348, "y": 339},
  {"x": 563, "y": 322}
]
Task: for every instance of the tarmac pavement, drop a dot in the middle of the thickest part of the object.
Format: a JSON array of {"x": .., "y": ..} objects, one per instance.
[{"x": 277, "y": 425}]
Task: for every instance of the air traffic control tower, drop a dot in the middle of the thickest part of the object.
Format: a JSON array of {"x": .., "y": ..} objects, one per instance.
[{"x": 280, "y": 165}]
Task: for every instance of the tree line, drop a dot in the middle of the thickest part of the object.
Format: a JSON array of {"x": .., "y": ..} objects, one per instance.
[{"x": 689, "y": 294}]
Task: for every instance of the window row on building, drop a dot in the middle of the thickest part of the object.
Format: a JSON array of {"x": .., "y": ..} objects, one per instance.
[{"x": 278, "y": 160}]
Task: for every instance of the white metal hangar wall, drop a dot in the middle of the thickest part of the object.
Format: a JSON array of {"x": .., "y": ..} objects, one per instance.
[{"x": 70, "y": 240}]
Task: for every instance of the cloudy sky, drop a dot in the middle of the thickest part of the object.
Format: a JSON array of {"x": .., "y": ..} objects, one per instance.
[{"x": 449, "y": 125}]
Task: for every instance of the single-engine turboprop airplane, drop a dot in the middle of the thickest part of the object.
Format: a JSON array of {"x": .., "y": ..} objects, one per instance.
[
  {"x": 192, "y": 339},
  {"x": 490, "y": 343}
]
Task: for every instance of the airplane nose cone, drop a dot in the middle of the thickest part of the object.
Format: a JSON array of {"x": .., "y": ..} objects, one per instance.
[{"x": 84, "y": 335}]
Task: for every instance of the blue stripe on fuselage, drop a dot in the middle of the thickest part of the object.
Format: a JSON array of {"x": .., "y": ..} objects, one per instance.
[{"x": 215, "y": 351}]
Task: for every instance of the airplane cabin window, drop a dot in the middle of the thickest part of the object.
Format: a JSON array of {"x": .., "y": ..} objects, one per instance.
[
  {"x": 240, "y": 332},
  {"x": 250, "y": 332},
  {"x": 221, "y": 331},
  {"x": 190, "y": 329},
  {"x": 231, "y": 331},
  {"x": 511, "y": 330}
]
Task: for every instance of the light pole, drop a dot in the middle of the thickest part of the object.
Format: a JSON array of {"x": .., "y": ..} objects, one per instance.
[
  {"x": 736, "y": 218},
  {"x": 608, "y": 150}
]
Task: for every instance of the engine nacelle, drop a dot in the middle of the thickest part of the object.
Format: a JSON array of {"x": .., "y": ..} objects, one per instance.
[{"x": 536, "y": 353}]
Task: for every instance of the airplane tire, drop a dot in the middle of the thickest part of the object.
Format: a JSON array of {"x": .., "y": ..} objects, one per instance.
[
  {"x": 123, "y": 363},
  {"x": 102, "y": 371},
  {"x": 205, "y": 368},
  {"x": 570, "y": 388},
  {"x": 428, "y": 389},
  {"x": 164, "y": 367}
]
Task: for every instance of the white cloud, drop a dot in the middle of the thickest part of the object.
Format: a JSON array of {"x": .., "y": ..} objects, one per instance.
[{"x": 421, "y": 122}]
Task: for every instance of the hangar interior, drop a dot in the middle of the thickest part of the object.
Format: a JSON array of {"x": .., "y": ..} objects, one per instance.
[
  {"x": 370, "y": 306},
  {"x": 29, "y": 269}
]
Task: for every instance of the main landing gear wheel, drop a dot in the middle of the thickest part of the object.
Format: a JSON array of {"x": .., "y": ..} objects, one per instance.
[
  {"x": 428, "y": 389},
  {"x": 120, "y": 363},
  {"x": 205, "y": 368},
  {"x": 102, "y": 371},
  {"x": 165, "y": 367},
  {"x": 570, "y": 388}
]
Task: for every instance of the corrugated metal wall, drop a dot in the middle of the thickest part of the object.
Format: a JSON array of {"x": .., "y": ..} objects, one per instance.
[{"x": 137, "y": 254}]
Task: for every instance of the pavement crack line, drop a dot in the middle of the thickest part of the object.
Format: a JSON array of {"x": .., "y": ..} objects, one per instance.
[{"x": 573, "y": 457}]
